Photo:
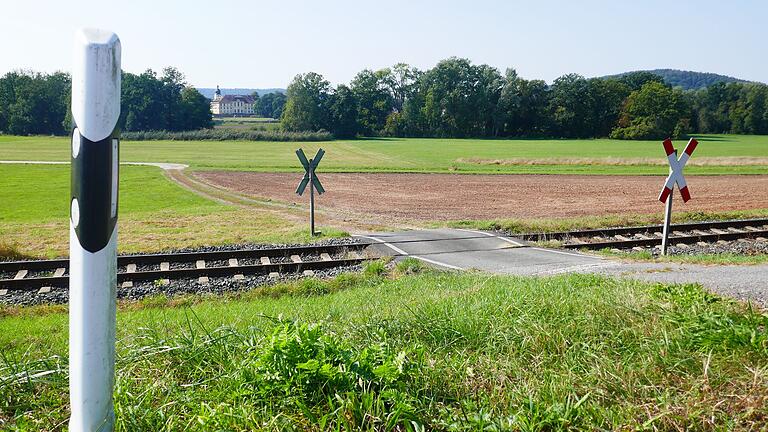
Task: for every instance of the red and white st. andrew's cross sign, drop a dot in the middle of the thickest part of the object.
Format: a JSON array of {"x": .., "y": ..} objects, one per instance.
[{"x": 676, "y": 173}]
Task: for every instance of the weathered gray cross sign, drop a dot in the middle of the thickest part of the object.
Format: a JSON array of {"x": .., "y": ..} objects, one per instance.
[
  {"x": 310, "y": 179},
  {"x": 309, "y": 172}
]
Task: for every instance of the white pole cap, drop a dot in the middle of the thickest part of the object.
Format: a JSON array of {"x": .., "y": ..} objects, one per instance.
[{"x": 96, "y": 83}]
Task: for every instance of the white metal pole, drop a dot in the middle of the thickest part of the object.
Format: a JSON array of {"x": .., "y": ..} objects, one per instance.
[
  {"x": 667, "y": 220},
  {"x": 668, "y": 216},
  {"x": 93, "y": 230}
]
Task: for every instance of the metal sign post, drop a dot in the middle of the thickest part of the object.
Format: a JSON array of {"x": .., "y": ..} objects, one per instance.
[
  {"x": 675, "y": 177},
  {"x": 93, "y": 230},
  {"x": 310, "y": 178},
  {"x": 667, "y": 217}
]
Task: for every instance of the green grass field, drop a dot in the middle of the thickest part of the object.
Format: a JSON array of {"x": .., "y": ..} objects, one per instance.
[
  {"x": 155, "y": 214},
  {"x": 723, "y": 154},
  {"x": 411, "y": 351},
  {"x": 142, "y": 190}
]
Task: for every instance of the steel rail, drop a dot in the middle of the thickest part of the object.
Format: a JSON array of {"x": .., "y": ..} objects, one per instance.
[
  {"x": 124, "y": 260},
  {"x": 187, "y": 273},
  {"x": 674, "y": 239},
  {"x": 609, "y": 232}
]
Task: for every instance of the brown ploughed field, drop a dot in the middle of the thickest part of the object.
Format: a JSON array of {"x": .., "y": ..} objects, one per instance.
[{"x": 439, "y": 197}]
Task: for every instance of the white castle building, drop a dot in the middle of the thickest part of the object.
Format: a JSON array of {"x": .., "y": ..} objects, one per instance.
[{"x": 232, "y": 105}]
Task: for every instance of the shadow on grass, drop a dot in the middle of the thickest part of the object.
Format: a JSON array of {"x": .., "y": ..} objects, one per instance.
[{"x": 714, "y": 138}]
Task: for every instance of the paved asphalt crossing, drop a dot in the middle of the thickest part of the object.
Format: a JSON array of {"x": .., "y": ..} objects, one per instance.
[{"x": 469, "y": 249}]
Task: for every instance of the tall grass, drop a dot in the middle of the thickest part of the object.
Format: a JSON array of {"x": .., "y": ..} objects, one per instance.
[
  {"x": 227, "y": 134},
  {"x": 423, "y": 351}
]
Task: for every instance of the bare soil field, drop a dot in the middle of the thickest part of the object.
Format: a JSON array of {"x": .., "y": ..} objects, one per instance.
[{"x": 440, "y": 197}]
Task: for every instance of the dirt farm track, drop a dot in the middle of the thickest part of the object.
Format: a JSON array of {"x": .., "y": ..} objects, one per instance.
[{"x": 434, "y": 197}]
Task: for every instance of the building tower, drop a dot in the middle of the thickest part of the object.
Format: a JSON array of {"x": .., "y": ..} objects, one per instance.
[{"x": 216, "y": 102}]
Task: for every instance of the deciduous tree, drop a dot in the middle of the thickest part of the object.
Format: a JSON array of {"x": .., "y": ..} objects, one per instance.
[
  {"x": 653, "y": 112},
  {"x": 307, "y": 107}
]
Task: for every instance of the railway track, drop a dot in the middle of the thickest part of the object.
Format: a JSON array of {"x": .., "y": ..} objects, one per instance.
[
  {"x": 45, "y": 275},
  {"x": 650, "y": 235}
]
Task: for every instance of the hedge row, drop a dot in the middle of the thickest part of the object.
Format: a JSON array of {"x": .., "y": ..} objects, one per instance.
[{"x": 226, "y": 135}]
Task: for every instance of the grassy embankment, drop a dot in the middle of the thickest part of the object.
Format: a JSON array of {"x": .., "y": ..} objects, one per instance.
[
  {"x": 716, "y": 154},
  {"x": 593, "y": 222},
  {"x": 155, "y": 214},
  {"x": 728, "y": 258},
  {"x": 416, "y": 351}
]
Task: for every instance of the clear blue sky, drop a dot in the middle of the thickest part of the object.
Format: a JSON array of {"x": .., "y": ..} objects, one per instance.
[{"x": 265, "y": 43}]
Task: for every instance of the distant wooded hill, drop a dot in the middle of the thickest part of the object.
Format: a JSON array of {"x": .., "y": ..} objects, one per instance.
[
  {"x": 208, "y": 92},
  {"x": 687, "y": 80}
]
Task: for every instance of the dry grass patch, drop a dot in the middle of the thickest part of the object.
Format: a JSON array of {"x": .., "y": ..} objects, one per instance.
[
  {"x": 165, "y": 230},
  {"x": 11, "y": 252},
  {"x": 612, "y": 161},
  {"x": 544, "y": 225}
]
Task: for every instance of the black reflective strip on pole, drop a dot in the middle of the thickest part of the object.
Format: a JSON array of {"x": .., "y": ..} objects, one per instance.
[{"x": 92, "y": 187}]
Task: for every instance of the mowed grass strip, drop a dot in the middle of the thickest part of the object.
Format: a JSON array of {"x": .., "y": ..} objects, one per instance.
[
  {"x": 418, "y": 351},
  {"x": 426, "y": 155},
  {"x": 545, "y": 225},
  {"x": 725, "y": 258},
  {"x": 154, "y": 214}
]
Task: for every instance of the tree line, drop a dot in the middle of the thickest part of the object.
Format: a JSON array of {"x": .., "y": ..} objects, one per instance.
[
  {"x": 270, "y": 105},
  {"x": 33, "y": 103},
  {"x": 457, "y": 99}
]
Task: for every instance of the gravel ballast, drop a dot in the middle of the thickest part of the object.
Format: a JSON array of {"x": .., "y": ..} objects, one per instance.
[{"x": 215, "y": 286}]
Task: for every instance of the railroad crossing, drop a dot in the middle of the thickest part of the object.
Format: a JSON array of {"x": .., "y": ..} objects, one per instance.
[
  {"x": 459, "y": 249},
  {"x": 456, "y": 249}
]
